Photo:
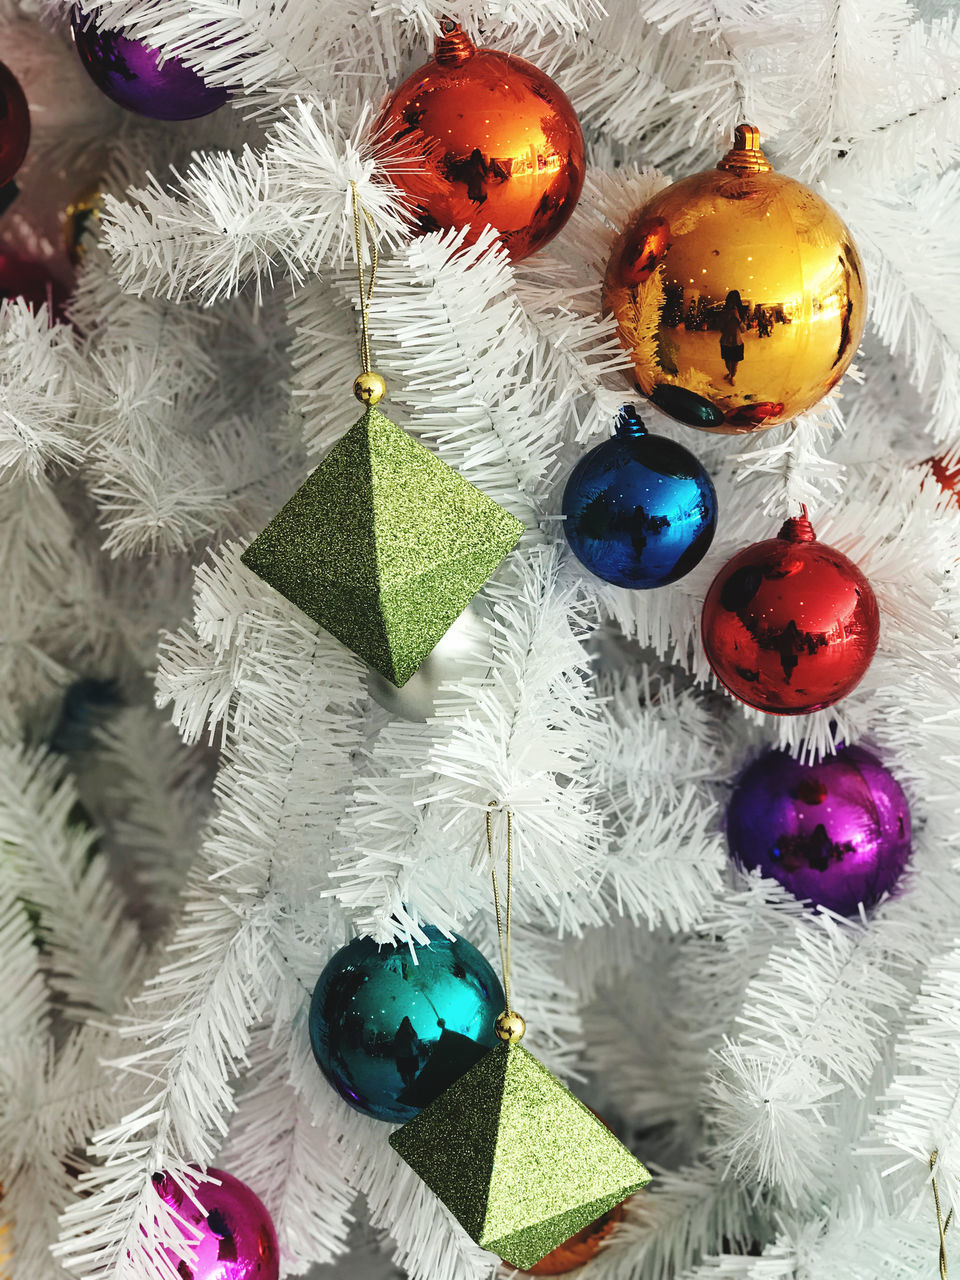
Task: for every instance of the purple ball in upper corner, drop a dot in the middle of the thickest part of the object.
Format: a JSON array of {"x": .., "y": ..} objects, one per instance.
[
  {"x": 835, "y": 833},
  {"x": 236, "y": 1236},
  {"x": 138, "y": 78}
]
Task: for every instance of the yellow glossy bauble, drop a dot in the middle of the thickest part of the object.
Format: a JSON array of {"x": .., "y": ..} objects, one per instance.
[{"x": 739, "y": 294}]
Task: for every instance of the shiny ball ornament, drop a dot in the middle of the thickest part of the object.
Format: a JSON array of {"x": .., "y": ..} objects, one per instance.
[
  {"x": 790, "y": 625},
  {"x": 467, "y": 644},
  {"x": 370, "y": 388},
  {"x": 581, "y": 1248},
  {"x": 947, "y": 476},
  {"x": 139, "y": 78},
  {"x": 391, "y": 1031},
  {"x": 478, "y": 137},
  {"x": 79, "y": 221},
  {"x": 510, "y": 1027},
  {"x": 14, "y": 125},
  {"x": 229, "y": 1229},
  {"x": 31, "y": 281},
  {"x": 739, "y": 294},
  {"x": 639, "y": 510},
  {"x": 835, "y": 833}
]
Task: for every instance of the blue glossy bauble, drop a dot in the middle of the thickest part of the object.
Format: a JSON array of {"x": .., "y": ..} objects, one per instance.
[
  {"x": 390, "y": 1034},
  {"x": 640, "y": 511}
]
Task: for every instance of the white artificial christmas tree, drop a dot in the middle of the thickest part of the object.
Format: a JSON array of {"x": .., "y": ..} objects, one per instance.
[{"x": 169, "y": 892}]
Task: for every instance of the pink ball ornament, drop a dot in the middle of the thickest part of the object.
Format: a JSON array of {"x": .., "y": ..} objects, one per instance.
[{"x": 229, "y": 1229}]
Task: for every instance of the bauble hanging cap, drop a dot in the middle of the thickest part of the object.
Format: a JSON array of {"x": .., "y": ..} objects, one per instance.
[
  {"x": 453, "y": 46},
  {"x": 746, "y": 155}
]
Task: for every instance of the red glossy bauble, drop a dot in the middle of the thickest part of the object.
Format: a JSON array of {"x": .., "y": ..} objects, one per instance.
[
  {"x": 14, "y": 125},
  {"x": 31, "y": 281},
  {"x": 579, "y": 1249},
  {"x": 947, "y": 476},
  {"x": 790, "y": 625},
  {"x": 480, "y": 137}
]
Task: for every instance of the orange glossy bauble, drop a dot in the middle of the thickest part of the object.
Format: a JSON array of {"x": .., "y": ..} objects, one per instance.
[
  {"x": 738, "y": 293},
  {"x": 480, "y": 137},
  {"x": 580, "y": 1248},
  {"x": 790, "y": 625}
]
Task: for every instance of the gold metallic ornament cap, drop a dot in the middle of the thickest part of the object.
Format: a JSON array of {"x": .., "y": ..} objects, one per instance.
[
  {"x": 745, "y": 156},
  {"x": 510, "y": 1027},
  {"x": 370, "y": 388}
]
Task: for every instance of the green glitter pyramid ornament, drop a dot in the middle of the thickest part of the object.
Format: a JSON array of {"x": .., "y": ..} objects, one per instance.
[
  {"x": 384, "y": 545},
  {"x": 518, "y": 1160}
]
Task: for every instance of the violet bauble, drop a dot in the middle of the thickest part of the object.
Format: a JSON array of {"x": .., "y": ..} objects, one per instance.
[{"x": 835, "y": 833}]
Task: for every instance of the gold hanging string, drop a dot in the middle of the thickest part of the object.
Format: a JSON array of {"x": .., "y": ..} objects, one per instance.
[
  {"x": 503, "y": 934},
  {"x": 942, "y": 1223},
  {"x": 510, "y": 1026},
  {"x": 370, "y": 386}
]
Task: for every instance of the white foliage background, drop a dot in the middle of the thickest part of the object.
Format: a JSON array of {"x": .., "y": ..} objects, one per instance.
[{"x": 199, "y": 798}]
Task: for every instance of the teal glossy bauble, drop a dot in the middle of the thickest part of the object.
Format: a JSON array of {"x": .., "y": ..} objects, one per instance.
[{"x": 392, "y": 1029}]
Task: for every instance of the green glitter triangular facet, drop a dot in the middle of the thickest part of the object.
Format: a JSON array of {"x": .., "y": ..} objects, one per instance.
[
  {"x": 384, "y": 545},
  {"x": 451, "y": 1143},
  {"x": 520, "y": 1162}
]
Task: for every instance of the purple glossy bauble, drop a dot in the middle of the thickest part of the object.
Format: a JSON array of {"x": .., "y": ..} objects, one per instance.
[
  {"x": 236, "y": 1237},
  {"x": 136, "y": 77},
  {"x": 835, "y": 833}
]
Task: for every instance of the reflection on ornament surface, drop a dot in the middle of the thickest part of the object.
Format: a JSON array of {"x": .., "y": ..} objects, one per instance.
[
  {"x": 478, "y": 136},
  {"x": 391, "y": 1029},
  {"x": 229, "y": 1228},
  {"x": 789, "y": 624},
  {"x": 739, "y": 294},
  {"x": 138, "y": 78},
  {"x": 639, "y": 510},
  {"x": 835, "y": 832}
]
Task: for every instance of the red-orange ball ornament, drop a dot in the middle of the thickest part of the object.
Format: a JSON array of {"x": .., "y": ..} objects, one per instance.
[
  {"x": 790, "y": 625},
  {"x": 478, "y": 137},
  {"x": 14, "y": 125},
  {"x": 579, "y": 1249},
  {"x": 947, "y": 476}
]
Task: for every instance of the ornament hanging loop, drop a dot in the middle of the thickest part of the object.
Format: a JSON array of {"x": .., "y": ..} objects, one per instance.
[
  {"x": 942, "y": 1223},
  {"x": 510, "y": 1027},
  {"x": 369, "y": 387},
  {"x": 746, "y": 155}
]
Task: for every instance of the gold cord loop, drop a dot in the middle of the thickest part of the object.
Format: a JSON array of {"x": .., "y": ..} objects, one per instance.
[
  {"x": 370, "y": 386},
  {"x": 510, "y": 1026},
  {"x": 942, "y": 1223}
]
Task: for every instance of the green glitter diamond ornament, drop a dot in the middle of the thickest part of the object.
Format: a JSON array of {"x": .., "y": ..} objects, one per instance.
[
  {"x": 384, "y": 545},
  {"x": 518, "y": 1160}
]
